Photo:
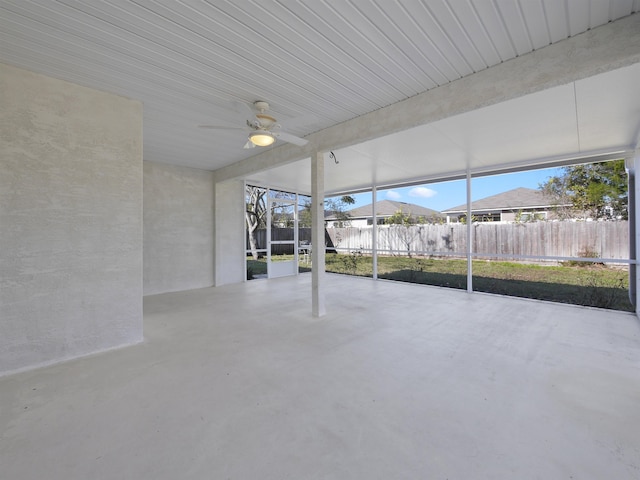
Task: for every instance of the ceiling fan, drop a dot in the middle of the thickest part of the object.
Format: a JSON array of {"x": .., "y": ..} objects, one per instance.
[{"x": 263, "y": 128}]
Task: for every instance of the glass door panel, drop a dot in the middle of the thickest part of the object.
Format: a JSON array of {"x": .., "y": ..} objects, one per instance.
[
  {"x": 304, "y": 233},
  {"x": 282, "y": 235},
  {"x": 256, "y": 231}
]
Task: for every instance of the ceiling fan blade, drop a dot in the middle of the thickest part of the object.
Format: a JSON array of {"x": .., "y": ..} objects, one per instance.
[
  {"x": 249, "y": 144},
  {"x": 243, "y": 108},
  {"x": 302, "y": 120},
  {"x": 221, "y": 127},
  {"x": 287, "y": 137}
]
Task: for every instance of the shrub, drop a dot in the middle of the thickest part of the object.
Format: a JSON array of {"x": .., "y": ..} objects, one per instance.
[
  {"x": 602, "y": 292},
  {"x": 584, "y": 253},
  {"x": 350, "y": 262}
]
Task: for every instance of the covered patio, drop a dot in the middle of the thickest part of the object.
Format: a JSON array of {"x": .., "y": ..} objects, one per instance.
[
  {"x": 131, "y": 344},
  {"x": 396, "y": 381}
]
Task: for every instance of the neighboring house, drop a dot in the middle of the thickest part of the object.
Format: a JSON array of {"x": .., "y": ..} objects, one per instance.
[
  {"x": 363, "y": 216},
  {"x": 519, "y": 204}
]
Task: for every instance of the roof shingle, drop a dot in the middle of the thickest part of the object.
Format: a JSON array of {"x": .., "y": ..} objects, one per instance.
[
  {"x": 515, "y": 199},
  {"x": 386, "y": 208}
]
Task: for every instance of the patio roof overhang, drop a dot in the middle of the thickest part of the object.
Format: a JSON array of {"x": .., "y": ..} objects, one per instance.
[{"x": 571, "y": 102}]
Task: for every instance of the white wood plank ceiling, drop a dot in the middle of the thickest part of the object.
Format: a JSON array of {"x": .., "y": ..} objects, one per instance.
[{"x": 318, "y": 62}]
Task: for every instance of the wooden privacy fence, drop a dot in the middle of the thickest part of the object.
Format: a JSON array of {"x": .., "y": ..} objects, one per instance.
[
  {"x": 280, "y": 234},
  {"x": 553, "y": 239}
]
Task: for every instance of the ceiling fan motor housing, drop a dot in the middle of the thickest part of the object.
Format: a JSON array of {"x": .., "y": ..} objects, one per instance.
[{"x": 266, "y": 121}]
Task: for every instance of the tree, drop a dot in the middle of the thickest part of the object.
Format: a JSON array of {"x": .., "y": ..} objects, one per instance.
[
  {"x": 595, "y": 190},
  {"x": 402, "y": 224},
  {"x": 338, "y": 208},
  {"x": 334, "y": 206},
  {"x": 255, "y": 215},
  {"x": 304, "y": 215}
]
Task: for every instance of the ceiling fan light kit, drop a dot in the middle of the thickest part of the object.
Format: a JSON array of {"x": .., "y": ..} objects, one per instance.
[{"x": 262, "y": 138}]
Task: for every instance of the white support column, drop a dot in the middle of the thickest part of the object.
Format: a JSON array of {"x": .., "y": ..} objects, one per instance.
[
  {"x": 296, "y": 234},
  {"x": 469, "y": 236},
  {"x": 634, "y": 216},
  {"x": 374, "y": 232},
  {"x": 268, "y": 233},
  {"x": 318, "y": 306}
]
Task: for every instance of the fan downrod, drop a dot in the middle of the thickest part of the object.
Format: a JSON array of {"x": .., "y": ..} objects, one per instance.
[{"x": 261, "y": 106}]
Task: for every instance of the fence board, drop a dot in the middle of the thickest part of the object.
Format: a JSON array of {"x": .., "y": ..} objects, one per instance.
[
  {"x": 279, "y": 234},
  {"x": 555, "y": 239}
]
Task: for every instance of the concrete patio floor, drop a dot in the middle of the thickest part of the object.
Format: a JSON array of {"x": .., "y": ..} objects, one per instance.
[{"x": 397, "y": 381}]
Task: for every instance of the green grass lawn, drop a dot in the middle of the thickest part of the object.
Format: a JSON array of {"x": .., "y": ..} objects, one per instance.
[{"x": 583, "y": 284}]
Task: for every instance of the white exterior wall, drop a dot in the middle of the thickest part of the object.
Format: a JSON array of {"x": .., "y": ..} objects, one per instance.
[
  {"x": 178, "y": 228},
  {"x": 230, "y": 256},
  {"x": 352, "y": 222},
  {"x": 359, "y": 223},
  {"x": 70, "y": 220}
]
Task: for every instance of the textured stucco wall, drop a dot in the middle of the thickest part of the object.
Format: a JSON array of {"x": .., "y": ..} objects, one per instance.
[
  {"x": 178, "y": 228},
  {"x": 70, "y": 220},
  {"x": 230, "y": 257}
]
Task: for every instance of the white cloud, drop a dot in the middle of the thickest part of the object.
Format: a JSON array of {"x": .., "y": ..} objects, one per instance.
[
  {"x": 393, "y": 195},
  {"x": 422, "y": 192}
]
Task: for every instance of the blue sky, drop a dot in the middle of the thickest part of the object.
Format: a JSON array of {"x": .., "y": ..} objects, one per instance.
[{"x": 444, "y": 195}]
